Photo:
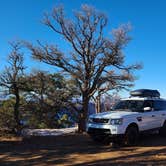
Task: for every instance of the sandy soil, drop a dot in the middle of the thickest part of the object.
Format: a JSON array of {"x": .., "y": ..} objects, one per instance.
[{"x": 80, "y": 150}]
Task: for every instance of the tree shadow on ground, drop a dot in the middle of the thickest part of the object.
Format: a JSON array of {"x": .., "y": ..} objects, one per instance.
[{"x": 60, "y": 150}]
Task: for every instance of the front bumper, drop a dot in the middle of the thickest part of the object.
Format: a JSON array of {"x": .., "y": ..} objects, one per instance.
[
  {"x": 111, "y": 129},
  {"x": 104, "y": 132},
  {"x": 98, "y": 131}
]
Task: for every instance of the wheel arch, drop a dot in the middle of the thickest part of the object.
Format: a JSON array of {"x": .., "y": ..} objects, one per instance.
[
  {"x": 164, "y": 121},
  {"x": 133, "y": 124}
]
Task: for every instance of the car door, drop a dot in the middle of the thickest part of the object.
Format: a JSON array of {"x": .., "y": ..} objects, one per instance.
[
  {"x": 148, "y": 121},
  {"x": 148, "y": 118},
  {"x": 160, "y": 112}
]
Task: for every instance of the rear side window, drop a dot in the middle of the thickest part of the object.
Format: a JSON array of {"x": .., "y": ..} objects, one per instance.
[{"x": 159, "y": 105}]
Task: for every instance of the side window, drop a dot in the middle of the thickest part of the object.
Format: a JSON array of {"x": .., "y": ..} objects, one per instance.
[
  {"x": 164, "y": 105},
  {"x": 159, "y": 105},
  {"x": 148, "y": 103}
]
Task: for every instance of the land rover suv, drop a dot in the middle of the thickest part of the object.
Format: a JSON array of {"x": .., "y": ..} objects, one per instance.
[{"x": 143, "y": 111}]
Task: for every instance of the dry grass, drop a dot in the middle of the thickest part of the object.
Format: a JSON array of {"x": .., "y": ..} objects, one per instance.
[{"x": 77, "y": 149}]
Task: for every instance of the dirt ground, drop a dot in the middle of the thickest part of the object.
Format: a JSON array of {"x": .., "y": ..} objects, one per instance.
[{"x": 80, "y": 150}]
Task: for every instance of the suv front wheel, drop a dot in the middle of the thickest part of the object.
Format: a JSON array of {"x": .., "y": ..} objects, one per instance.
[{"x": 131, "y": 136}]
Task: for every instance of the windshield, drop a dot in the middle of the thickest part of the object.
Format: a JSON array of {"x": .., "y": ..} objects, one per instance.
[{"x": 130, "y": 105}]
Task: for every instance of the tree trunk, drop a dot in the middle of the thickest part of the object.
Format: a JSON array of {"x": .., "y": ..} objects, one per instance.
[
  {"x": 83, "y": 116},
  {"x": 98, "y": 104},
  {"x": 16, "y": 109}
]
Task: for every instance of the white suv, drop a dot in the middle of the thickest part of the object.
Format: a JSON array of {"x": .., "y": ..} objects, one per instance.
[{"x": 143, "y": 111}]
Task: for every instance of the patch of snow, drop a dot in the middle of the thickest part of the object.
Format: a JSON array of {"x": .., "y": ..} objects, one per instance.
[{"x": 48, "y": 132}]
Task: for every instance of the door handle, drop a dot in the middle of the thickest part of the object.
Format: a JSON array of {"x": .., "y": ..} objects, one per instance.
[
  {"x": 139, "y": 118},
  {"x": 153, "y": 115}
]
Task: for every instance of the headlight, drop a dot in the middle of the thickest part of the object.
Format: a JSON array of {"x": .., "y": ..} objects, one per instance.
[
  {"x": 90, "y": 120},
  {"x": 116, "y": 121}
]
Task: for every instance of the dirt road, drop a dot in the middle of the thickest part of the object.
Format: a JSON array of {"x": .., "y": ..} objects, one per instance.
[{"x": 79, "y": 150}]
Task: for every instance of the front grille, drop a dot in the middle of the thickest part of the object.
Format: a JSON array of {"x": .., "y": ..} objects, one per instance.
[
  {"x": 98, "y": 131},
  {"x": 100, "y": 120}
]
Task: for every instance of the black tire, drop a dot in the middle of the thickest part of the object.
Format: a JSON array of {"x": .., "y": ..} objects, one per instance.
[
  {"x": 131, "y": 136},
  {"x": 162, "y": 131}
]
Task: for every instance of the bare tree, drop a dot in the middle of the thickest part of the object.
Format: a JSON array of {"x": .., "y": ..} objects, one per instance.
[
  {"x": 11, "y": 79},
  {"x": 94, "y": 59},
  {"x": 109, "y": 100},
  {"x": 123, "y": 81}
]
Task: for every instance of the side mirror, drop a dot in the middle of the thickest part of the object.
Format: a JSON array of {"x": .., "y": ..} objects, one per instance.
[{"x": 147, "y": 109}]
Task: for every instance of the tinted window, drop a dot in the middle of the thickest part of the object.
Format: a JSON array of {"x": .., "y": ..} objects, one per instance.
[
  {"x": 148, "y": 103},
  {"x": 132, "y": 105},
  {"x": 159, "y": 105}
]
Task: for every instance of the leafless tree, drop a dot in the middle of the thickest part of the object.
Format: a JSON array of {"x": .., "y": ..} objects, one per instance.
[
  {"x": 94, "y": 58},
  {"x": 109, "y": 100},
  {"x": 11, "y": 79},
  {"x": 123, "y": 81}
]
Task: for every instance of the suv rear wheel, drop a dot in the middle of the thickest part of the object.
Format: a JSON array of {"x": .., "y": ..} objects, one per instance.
[
  {"x": 131, "y": 136},
  {"x": 162, "y": 131}
]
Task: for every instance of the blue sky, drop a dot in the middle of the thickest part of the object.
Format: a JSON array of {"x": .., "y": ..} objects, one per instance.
[{"x": 21, "y": 19}]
